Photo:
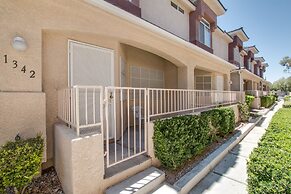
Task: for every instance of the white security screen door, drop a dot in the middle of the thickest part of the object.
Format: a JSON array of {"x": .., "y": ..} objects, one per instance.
[
  {"x": 219, "y": 87},
  {"x": 90, "y": 65},
  {"x": 219, "y": 83}
]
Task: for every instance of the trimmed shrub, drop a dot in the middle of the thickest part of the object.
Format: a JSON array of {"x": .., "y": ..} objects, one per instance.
[
  {"x": 20, "y": 161},
  {"x": 269, "y": 167},
  {"x": 222, "y": 119},
  {"x": 178, "y": 139},
  {"x": 249, "y": 100},
  {"x": 267, "y": 101},
  {"x": 244, "y": 112}
]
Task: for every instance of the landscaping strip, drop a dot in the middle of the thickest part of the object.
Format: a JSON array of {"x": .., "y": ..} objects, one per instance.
[
  {"x": 269, "y": 167},
  {"x": 193, "y": 177}
]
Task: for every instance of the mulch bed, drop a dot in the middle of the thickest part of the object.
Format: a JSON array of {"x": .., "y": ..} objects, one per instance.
[
  {"x": 47, "y": 183},
  {"x": 173, "y": 176}
]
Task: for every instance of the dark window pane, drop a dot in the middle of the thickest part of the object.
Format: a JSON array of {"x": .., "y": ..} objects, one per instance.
[
  {"x": 174, "y": 5},
  {"x": 181, "y": 10}
]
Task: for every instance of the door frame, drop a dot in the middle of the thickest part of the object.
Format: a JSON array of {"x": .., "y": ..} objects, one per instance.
[{"x": 70, "y": 60}]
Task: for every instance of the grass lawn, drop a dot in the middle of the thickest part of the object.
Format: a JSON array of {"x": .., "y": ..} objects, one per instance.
[{"x": 269, "y": 166}]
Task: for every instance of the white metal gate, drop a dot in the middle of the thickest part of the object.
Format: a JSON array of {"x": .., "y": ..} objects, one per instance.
[{"x": 129, "y": 138}]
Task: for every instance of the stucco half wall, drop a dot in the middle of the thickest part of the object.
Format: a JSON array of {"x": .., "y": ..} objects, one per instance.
[{"x": 77, "y": 161}]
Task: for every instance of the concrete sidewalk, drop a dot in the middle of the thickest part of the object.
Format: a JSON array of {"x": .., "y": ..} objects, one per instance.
[{"x": 230, "y": 175}]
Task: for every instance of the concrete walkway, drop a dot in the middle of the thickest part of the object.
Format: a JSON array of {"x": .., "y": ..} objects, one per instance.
[{"x": 230, "y": 175}]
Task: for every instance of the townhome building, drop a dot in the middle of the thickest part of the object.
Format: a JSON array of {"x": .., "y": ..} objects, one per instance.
[{"x": 92, "y": 75}]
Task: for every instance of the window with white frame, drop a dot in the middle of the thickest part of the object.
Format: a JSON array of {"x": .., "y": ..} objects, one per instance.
[
  {"x": 203, "y": 82},
  {"x": 142, "y": 77},
  {"x": 205, "y": 33}
]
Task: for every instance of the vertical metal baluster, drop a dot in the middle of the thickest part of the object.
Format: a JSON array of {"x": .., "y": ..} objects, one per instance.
[
  {"x": 121, "y": 111},
  {"x": 139, "y": 118},
  {"x": 165, "y": 102},
  {"x": 94, "y": 107},
  {"x": 115, "y": 134},
  {"x": 169, "y": 100},
  {"x": 134, "y": 124},
  {"x": 157, "y": 101},
  {"x": 101, "y": 103},
  {"x": 86, "y": 106},
  {"x": 77, "y": 111},
  {"x": 107, "y": 126},
  {"x": 128, "y": 124},
  {"x": 161, "y": 101}
]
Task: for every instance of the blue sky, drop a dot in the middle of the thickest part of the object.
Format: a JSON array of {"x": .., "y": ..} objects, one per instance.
[{"x": 267, "y": 23}]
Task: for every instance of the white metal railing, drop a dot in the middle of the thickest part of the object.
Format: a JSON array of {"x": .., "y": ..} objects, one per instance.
[
  {"x": 162, "y": 102},
  {"x": 81, "y": 107},
  {"x": 257, "y": 93},
  {"x": 126, "y": 132},
  {"x": 127, "y": 110}
]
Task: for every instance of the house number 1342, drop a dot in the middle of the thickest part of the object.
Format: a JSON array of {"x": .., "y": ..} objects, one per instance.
[{"x": 23, "y": 69}]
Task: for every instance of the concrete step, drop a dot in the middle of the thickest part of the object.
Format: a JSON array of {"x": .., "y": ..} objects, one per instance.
[
  {"x": 165, "y": 188},
  {"x": 141, "y": 183}
]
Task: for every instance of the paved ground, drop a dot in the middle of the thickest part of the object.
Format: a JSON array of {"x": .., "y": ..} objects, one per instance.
[{"x": 230, "y": 175}]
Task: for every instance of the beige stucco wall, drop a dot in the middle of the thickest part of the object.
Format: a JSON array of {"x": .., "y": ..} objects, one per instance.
[
  {"x": 219, "y": 45},
  {"x": 23, "y": 114},
  {"x": 47, "y": 25},
  {"x": 165, "y": 16}
]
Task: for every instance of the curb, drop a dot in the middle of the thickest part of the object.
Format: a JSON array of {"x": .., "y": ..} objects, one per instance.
[{"x": 193, "y": 177}]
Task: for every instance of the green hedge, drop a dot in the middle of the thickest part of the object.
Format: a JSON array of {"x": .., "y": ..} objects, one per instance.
[
  {"x": 269, "y": 166},
  {"x": 20, "y": 161},
  {"x": 249, "y": 100},
  {"x": 267, "y": 101},
  {"x": 178, "y": 139}
]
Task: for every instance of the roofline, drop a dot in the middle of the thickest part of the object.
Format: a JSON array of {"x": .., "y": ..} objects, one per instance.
[
  {"x": 193, "y": 3},
  {"x": 222, "y": 5},
  {"x": 224, "y": 32},
  {"x": 242, "y": 29},
  {"x": 265, "y": 64},
  {"x": 247, "y": 47},
  {"x": 250, "y": 73},
  {"x": 258, "y": 58}
]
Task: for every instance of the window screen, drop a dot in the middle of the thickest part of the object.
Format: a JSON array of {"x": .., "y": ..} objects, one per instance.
[
  {"x": 142, "y": 77},
  {"x": 203, "y": 82}
]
